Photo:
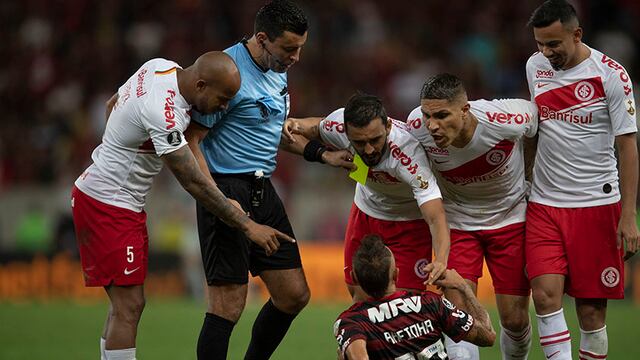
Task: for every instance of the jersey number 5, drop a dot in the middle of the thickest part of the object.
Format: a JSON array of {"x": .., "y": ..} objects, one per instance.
[{"x": 130, "y": 254}]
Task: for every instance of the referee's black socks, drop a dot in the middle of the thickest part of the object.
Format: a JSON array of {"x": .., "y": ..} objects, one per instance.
[
  {"x": 213, "y": 342},
  {"x": 268, "y": 331}
]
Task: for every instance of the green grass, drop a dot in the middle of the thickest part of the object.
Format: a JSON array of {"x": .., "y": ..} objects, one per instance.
[{"x": 169, "y": 330}]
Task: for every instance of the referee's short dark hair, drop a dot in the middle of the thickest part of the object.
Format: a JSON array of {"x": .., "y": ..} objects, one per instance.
[
  {"x": 371, "y": 264},
  {"x": 443, "y": 86},
  {"x": 279, "y": 16},
  {"x": 551, "y": 11},
  {"x": 362, "y": 108}
]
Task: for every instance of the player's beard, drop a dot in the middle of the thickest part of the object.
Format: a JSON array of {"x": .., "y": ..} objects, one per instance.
[{"x": 369, "y": 161}]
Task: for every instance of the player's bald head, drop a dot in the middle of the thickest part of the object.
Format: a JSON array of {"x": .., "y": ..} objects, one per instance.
[
  {"x": 443, "y": 87},
  {"x": 211, "y": 82},
  {"x": 216, "y": 67}
]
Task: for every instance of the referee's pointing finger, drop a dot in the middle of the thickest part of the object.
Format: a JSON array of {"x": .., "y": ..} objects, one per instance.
[{"x": 282, "y": 236}]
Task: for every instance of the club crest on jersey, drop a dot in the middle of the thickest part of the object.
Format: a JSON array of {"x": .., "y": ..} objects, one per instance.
[
  {"x": 584, "y": 91},
  {"x": 631, "y": 110},
  {"x": 418, "y": 268},
  {"x": 610, "y": 277},
  {"x": 174, "y": 138},
  {"x": 424, "y": 184},
  {"x": 448, "y": 304},
  {"x": 496, "y": 156}
]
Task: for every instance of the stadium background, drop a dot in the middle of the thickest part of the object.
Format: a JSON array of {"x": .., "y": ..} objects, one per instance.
[{"x": 61, "y": 60}]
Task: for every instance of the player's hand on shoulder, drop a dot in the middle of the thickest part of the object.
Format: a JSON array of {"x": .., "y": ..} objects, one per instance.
[
  {"x": 339, "y": 158},
  {"x": 266, "y": 237}
]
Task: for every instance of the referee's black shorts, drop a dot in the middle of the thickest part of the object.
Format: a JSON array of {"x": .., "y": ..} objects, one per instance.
[{"x": 227, "y": 254}]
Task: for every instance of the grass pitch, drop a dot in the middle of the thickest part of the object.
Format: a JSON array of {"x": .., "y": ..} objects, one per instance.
[{"x": 169, "y": 330}]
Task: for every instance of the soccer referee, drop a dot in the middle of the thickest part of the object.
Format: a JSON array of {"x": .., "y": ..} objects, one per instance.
[{"x": 238, "y": 149}]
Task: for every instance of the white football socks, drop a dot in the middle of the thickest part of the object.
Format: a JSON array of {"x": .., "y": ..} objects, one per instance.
[
  {"x": 103, "y": 356},
  {"x": 554, "y": 336},
  {"x": 121, "y": 354},
  {"x": 515, "y": 345},
  {"x": 594, "y": 344},
  {"x": 462, "y": 350}
]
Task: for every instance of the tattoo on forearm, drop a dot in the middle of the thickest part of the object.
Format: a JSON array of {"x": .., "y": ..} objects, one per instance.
[
  {"x": 482, "y": 326},
  {"x": 184, "y": 166}
]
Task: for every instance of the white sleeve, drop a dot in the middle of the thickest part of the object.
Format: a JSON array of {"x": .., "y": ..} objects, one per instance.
[
  {"x": 416, "y": 126},
  {"x": 332, "y": 131},
  {"x": 622, "y": 107},
  {"x": 531, "y": 127},
  {"x": 163, "y": 123},
  {"x": 416, "y": 171}
]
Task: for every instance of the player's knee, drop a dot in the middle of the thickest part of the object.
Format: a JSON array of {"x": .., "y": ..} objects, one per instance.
[
  {"x": 516, "y": 322},
  {"x": 547, "y": 299},
  {"x": 130, "y": 311}
]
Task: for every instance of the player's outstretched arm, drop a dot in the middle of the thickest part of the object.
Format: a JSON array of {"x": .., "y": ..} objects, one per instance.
[
  {"x": 433, "y": 213},
  {"x": 482, "y": 332},
  {"x": 357, "y": 350},
  {"x": 183, "y": 165},
  {"x": 628, "y": 228},
  {"x": 307, "y": 127},
  {"x": 303, "y": 131}
]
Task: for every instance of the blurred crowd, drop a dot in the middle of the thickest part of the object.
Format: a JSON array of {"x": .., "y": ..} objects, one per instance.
[{"x": 61, "y": 60}]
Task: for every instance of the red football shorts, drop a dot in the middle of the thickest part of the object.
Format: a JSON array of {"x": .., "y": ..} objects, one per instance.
[
  {"x": 579, "y": 243},
  {"x": 502, "y": 248},
  {"x": 409, "y": 241},
  {"x": 113, "y": 242}
]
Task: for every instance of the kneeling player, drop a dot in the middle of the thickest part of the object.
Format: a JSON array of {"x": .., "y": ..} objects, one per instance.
[{"x": 400, "y": 325}]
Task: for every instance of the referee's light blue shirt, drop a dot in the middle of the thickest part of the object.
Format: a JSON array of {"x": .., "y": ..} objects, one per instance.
[{"x": 245, "y": 137}]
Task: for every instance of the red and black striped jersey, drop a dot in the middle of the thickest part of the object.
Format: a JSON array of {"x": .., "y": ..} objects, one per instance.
[{"x": 403, "y": 326}]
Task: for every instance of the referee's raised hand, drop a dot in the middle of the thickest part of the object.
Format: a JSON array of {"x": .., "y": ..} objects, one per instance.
[{"x": 266, "y": 237}]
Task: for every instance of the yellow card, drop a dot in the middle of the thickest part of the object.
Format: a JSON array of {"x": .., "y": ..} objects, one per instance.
[{"x": 360, "y": 174}]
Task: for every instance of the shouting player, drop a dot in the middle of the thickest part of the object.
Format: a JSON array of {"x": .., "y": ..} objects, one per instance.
[{"x": 476, "y": 152}]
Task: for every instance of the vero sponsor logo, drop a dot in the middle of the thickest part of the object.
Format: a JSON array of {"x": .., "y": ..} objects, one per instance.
[{"x": 508, "y": 118}]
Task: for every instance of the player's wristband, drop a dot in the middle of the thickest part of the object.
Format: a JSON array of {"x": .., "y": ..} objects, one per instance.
[{"x": 313, "y": 151}]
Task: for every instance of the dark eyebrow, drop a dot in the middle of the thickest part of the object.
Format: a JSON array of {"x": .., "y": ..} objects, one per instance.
[{"x": 440, "y": 113}]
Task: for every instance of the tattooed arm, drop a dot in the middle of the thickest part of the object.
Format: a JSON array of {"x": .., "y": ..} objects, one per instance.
[
  {"x": 185, "y": 168},
  {"x": 481, "y": 333},
  {"x": 307, "y": 127}
]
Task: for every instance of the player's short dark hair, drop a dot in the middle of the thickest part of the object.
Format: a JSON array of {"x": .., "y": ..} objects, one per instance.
[
  {"x": 371, "y": 264},
  {"x": 551, "y": 11},
  {"x": 442, "y": 87},
  {"x": 279, "y": 16},
  {"x": 362, "y": 108}
]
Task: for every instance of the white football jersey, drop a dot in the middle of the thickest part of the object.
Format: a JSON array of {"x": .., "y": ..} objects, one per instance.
[
  {"x": 147, "y": 122},
  {"x": 399, "y": 183},
  {"x": 483, "y": 183},
  {"x": 581, "y": 109}
]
